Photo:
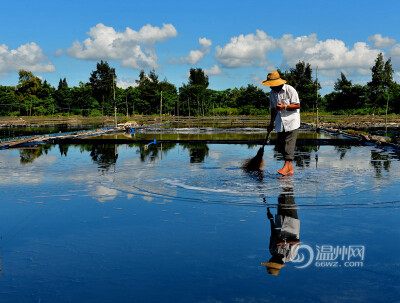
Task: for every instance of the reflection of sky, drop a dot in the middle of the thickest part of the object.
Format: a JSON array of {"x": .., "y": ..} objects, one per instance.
[
  {"x": 215, "y": 180},
  {"x": 190, "y": 232},
  {"x": 11, "y": 172},
  {"x": 334, "y": 177}
]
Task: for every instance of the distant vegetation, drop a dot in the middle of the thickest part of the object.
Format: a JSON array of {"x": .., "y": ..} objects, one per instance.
[{"x": 99, "y": 96}]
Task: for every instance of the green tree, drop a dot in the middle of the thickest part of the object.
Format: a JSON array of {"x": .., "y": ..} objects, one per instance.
[
  {"x": 9, "y": 103},
  {"x": 169, "y": 97},
  {"x": 341, "y": 97},
  {"x": 346, "y": 95},
  {"x": 188, "y": 100},
  {"x": 252, "y": 100},
  {"x": 83, "y": 102},
  {"x": 62, "y": 84},
  {"x": 46, "y": 94},
  {"x": 377, "y": 81},
  {"x": 148, "y": 87},
  {"x": 231, "y": 97},
  {"x": 395, "y": 98},
  {"x": 300, "y": 78},
  {"x": 133, "y": 99},
  {"x": 197, "y": 77},
  {"x": 103, "y": 83},
  {"x": 388, "y": 74},
  {"x": 382, "y": 88},
  {"x": 377, "y": 85},
  {"x": 217, "y": 102},
  {"x": 194, "y": 92},
  {"x": 342, "y": 83},
  {"x": 63, "y": 97},
  {"x": 391, "y": 89},
  {"x": 26, "y": 91}
]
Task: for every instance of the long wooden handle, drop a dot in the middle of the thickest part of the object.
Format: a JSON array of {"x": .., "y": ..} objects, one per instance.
[{"x": 272, "y": 121}]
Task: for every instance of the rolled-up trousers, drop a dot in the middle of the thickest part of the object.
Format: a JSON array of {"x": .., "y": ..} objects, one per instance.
[{"x": 287, "y": 144}]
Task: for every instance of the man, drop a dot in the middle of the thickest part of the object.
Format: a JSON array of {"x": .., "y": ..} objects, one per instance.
[{"x": 285, "y": 106}]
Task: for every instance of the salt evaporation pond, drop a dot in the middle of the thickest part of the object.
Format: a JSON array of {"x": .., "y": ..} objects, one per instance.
[{"x": 184, "y": 223}]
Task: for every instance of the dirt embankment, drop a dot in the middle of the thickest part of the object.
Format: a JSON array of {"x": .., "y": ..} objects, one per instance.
[
  {"x": 376, "y": 133},
  {"x": 59, "y": 120}
]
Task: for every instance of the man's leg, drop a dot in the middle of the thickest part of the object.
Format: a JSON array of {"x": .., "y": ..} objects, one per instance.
[{"x": 288, "y": 144}]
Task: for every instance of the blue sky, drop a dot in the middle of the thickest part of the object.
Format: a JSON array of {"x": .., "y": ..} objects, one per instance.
[{"x": 236, "y": 43}]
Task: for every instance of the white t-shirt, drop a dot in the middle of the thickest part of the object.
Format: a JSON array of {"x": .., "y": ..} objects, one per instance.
[{"x": 287, "y": 120}]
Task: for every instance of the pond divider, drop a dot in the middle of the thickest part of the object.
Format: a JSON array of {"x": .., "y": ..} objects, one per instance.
[{"x": 354, "y": 135}]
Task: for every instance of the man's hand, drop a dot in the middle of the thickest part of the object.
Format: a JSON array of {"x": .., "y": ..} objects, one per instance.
[
  {"x": 283, "y": 242},
  {"x": 280, "y": 106},
  {"x": 280, "y": 244}
]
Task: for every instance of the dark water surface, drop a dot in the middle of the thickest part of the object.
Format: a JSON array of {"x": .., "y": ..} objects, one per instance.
[
  {"x": 206, "y": 133},
  {"x": 184, "y": 223},
  {"x": 12, "y": 132}
]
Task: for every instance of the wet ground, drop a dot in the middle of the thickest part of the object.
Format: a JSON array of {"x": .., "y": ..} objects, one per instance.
[{"x": 184, "y": 223}]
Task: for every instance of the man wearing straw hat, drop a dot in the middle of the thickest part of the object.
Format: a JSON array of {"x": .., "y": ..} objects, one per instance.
[{"x": 285, "y": 106}]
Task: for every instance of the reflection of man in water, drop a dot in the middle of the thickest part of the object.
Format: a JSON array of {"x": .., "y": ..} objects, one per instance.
[{"x": 285, "y": 231}]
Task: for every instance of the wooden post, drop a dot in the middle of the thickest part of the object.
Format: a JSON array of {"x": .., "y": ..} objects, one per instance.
[
  {"x": 30, "y": 112},
  {"x": 126, "y": 102},
  {"x": 386, "y": 116},
  {"x": 161, "y": 106},
  {"x": 178, "y": 106},
  {"x": 317, "y": 99},
  {"x": 115, "y": 105}
]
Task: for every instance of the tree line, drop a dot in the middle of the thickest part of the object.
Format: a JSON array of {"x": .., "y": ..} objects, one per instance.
[{"x": 101, "y": 96}]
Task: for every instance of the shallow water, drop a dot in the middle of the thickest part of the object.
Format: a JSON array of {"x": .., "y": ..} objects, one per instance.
[
  {"x": 12, "y": 132},
  {"x": 206, "y": 133},
  {"x": 184, "y": 223}
]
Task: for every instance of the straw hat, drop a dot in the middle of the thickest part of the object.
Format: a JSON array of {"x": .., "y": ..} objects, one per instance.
[
  {"x": 273, "y": 79},
  {"x": 273, "y": 268}
]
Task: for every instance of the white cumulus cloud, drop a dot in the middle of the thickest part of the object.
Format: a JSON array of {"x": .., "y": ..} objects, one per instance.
[
  {"x": 380, "y": 41},
  {"x": 28, "y": 57},
  {"x": 329, "y": 55},
  {"x": 256, "y": 79},
  {"x": 58, "y": 52},
  {"x": 124, "y": 84},
  {"x": 245, "y": 50},
  {"x": 397, "y": 75},
  {"x": 394, "y": 53},
  {"x": 135, "y": 49},
  {"x": 195, "y": 56},
  {"x": 215, "y": 70}
]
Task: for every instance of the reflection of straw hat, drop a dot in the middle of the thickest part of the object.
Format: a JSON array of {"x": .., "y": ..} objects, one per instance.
[
  {"x": 273, "y": 79},
  {"x": 273, "y": 268}
]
